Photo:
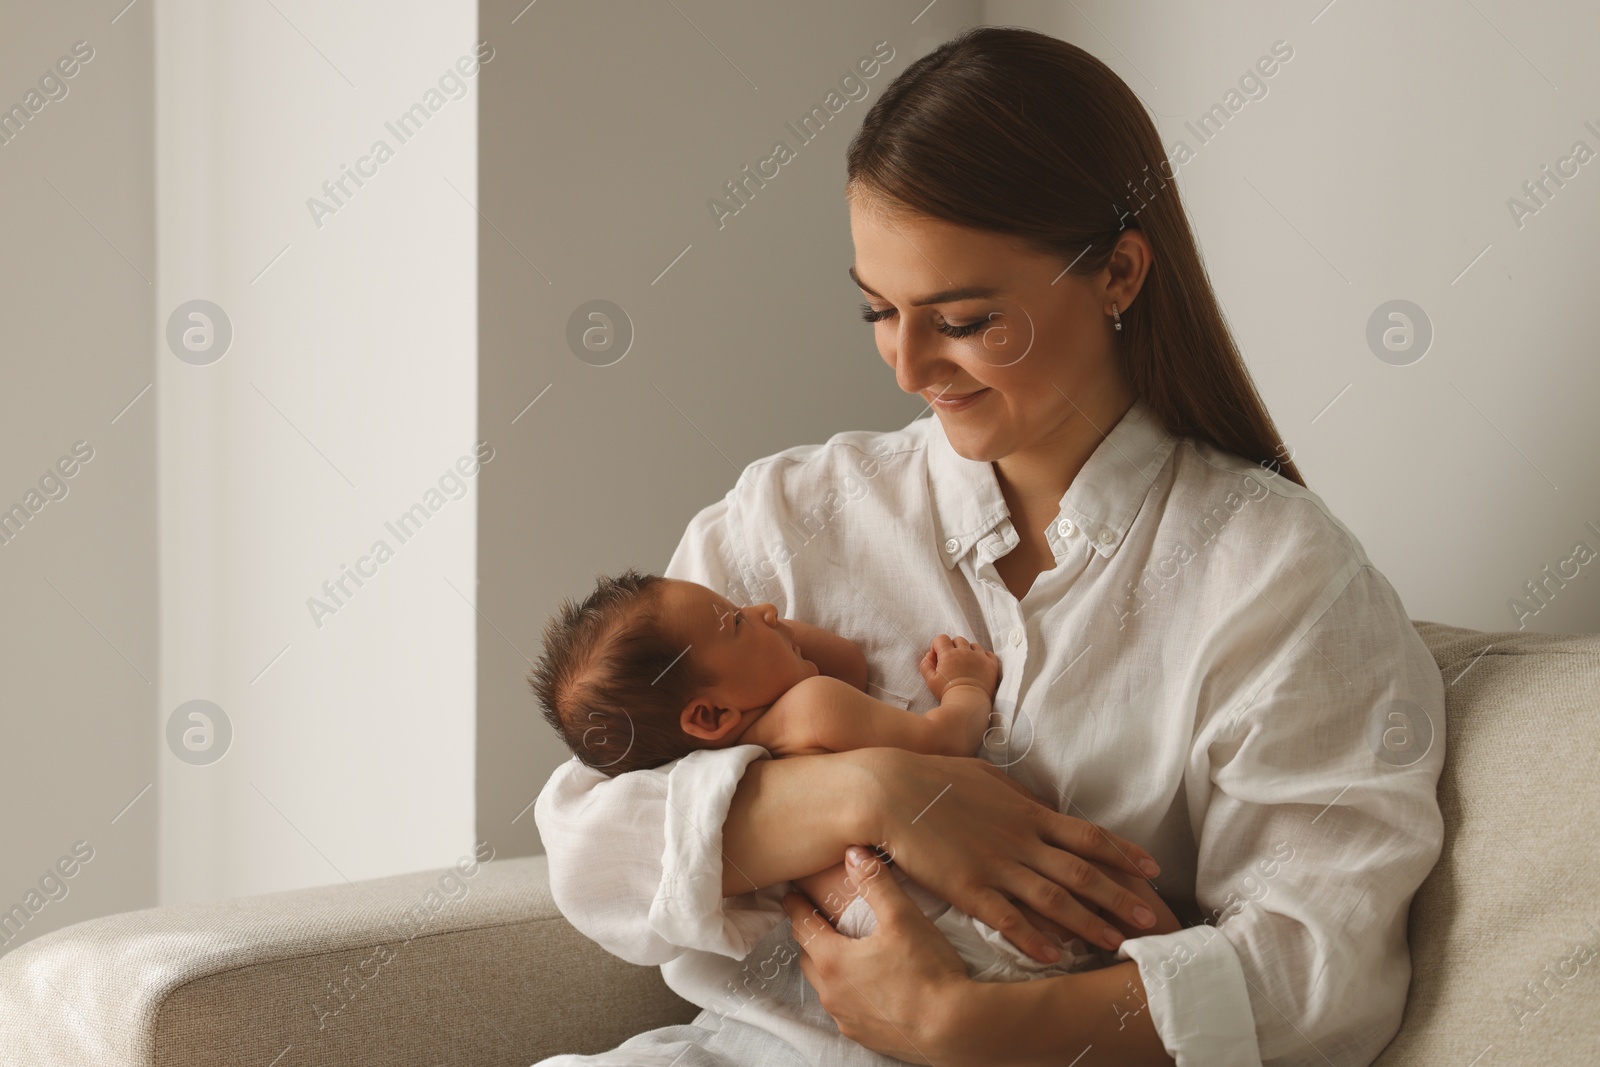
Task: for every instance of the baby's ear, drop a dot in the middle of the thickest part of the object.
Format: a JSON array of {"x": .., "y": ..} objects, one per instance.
[{"x": 703, "y": 719}]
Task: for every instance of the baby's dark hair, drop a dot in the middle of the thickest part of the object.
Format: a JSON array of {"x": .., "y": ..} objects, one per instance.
[{"x": 613, "y": 679}]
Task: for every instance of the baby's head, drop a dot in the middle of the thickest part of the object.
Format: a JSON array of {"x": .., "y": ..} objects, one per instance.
[{"x": 647, "y": 669}]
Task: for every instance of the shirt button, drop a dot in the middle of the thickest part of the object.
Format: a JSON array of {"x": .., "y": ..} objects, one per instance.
[
  {"x": 951, "y": 545},
  {"x": 1016, "y": 636},
  {"x": 1065, "y": 528},
  {"x": 1106, "y": 537}
]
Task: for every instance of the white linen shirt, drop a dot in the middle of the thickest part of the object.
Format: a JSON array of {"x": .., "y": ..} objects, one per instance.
[{"x": 1212, "y": 669}]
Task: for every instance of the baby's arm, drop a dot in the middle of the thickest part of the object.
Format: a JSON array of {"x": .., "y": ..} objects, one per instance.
[{"x": 822, "y": 714}]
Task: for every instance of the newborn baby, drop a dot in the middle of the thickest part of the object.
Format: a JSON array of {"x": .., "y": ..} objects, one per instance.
[{"x": 648, "y": 669}]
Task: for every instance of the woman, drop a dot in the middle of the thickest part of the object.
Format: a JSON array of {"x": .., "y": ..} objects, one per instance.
[{"x": 1195, "y": 654}]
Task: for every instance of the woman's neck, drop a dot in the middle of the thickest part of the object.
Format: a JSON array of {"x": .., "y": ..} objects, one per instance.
[{"x": 1033, "y": 479}]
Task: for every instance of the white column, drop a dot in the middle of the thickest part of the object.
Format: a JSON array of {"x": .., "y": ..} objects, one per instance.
[{"x": 345, "y": 398}]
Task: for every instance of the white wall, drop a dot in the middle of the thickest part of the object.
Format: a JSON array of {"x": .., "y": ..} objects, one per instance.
[
  {"x": 349, "y": 389},
  {"x": 178, "y": 165},
  {"x": 1378, "y": 166},
  {"x": 77, "y": 579}
]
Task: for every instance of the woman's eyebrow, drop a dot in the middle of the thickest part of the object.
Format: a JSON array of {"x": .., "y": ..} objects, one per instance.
[{"x": 970, "y": 292}]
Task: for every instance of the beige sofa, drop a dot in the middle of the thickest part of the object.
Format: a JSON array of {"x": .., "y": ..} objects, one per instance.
[{"x": 1505, "y": 933}]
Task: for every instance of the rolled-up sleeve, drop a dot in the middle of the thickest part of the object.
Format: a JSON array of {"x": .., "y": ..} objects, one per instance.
[
  {"x": 636, "y": 861},
  {"x": 1312, "y": 795}
]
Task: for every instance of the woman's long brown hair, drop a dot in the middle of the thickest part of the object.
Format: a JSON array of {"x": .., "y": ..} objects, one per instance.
[{"x": 1016, "y": 132}]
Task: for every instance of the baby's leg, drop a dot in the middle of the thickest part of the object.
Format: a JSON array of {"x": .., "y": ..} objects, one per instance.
[{"x": 831, "y": 890}]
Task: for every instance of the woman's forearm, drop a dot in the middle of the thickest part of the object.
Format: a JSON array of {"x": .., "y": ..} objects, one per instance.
[
  {"x": 792, "y": 817},
  {"x": 1053, "y": 1020}
]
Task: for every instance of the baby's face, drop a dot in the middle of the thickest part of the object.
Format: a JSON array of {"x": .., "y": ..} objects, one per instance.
[{"x": 751, "y": 651}]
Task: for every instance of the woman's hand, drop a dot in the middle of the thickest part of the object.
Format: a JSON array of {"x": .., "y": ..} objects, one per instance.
[
  {"x": 902, "y": 991},
  {"x": 1166, "y": 920},
  {"x": 970, "y": 834},
  {"x": 888, "y": 990}
]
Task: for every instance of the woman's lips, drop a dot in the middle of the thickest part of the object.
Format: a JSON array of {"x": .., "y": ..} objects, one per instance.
[{"x": 956, "y": 401}]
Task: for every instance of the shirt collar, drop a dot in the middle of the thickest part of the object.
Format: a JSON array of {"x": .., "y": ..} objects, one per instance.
[{"x": 1101, "y": 502}]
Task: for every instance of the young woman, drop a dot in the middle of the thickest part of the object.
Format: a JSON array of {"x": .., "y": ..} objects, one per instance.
[{"x": 1196, "y": 655}]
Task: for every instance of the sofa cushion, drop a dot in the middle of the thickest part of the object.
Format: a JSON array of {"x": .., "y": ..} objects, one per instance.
[{"x": 1505, "y": 932}]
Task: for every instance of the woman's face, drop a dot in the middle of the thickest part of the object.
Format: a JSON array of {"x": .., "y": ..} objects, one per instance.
[{"x": 970, "y": 312}]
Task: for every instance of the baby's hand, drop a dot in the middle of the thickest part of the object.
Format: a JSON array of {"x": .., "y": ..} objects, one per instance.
[{"x": 951, "y": 660}]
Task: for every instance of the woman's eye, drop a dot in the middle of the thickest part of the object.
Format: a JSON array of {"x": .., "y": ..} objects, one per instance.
[{"x": 870, "y": 314}]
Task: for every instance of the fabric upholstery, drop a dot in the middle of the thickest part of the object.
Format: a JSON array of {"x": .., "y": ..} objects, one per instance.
[
  {"x": 493, "y": 977},
  {"x": 1515, "y": 897}
]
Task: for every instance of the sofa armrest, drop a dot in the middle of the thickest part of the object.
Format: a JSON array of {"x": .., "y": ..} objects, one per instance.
[{"x": 424, "y": 968}]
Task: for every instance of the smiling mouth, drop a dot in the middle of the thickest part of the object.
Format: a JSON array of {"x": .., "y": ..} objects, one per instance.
[{"x": 955, "y": 396}]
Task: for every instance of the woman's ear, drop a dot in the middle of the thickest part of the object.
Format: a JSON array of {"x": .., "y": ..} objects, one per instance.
[{"x": 702, "y": 718}]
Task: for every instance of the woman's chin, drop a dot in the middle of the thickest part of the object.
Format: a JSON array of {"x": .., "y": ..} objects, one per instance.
[{"x": 968, "y": 443}]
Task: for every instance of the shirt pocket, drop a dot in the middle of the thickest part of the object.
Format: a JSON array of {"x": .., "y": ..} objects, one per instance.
[{"x": 899, "y": 685}]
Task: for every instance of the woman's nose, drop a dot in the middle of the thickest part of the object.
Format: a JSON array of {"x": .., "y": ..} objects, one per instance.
[
  {"x": 768, "y": 613},
  {"x": 915, "y": 363}
]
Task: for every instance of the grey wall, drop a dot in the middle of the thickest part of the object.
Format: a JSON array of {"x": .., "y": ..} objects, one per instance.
[
  {"x": 605, "y": 129},
  {"x": 78, "y": 581},
  {"x": 1381, "y": 162},
  {"x": 1377, "y": 164}
]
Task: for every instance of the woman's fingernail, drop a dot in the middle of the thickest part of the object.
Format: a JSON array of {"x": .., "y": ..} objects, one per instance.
[
  {"x": 1144, "y": 916},
  {"x": 856, "y": 855},
  {"x": 1149, "y": 867}
]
